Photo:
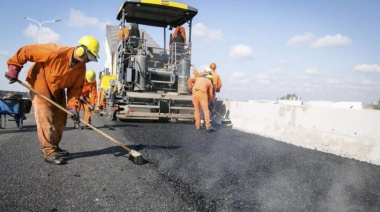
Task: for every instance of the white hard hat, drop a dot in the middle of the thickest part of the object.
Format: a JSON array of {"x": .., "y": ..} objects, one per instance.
[{"x": 208, "y": 70}]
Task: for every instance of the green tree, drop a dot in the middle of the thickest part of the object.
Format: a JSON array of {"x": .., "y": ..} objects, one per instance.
[{"x": 289, "y": 97}]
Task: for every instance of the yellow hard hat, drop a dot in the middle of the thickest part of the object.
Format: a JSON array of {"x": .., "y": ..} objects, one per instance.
[
  {"x": 90, "y": 76},
  {"x": 91, "y": 43}
]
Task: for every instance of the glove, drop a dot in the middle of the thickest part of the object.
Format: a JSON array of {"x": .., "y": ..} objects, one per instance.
[
  {"x": 12, "y": 73},
  {"x": 75, "y": 114}
]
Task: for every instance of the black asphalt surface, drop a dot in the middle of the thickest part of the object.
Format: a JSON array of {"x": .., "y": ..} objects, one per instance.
[{"x": 185, "y": 170}]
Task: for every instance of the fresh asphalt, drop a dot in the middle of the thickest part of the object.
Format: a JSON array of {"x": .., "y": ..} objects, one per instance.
[{"x": 185, "y": 170}]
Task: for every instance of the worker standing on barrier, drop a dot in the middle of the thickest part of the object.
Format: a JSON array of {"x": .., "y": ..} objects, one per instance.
[
  {"x": 202, "y": 91},
  {"x": 58, "y": 73},
  {"x": 89, "y": 96}
]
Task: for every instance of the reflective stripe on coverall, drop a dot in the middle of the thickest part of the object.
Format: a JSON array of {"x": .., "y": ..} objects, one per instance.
[
  {"x": 89, "y": 93},
  {"x": 202, "y": 92},
  {"x": 50, "y": 75}
]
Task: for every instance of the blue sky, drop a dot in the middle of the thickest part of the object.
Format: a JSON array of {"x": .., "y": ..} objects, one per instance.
[{"x": 264, "y": 49}]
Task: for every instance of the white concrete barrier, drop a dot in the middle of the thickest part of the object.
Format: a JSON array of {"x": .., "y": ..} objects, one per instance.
[{"x": 344, "y": 132}]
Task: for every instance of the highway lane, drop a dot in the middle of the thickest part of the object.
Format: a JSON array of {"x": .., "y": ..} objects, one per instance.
[{"x": 187, "y": 170}]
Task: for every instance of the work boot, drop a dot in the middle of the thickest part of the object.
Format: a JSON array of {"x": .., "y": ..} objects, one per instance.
[
  {"x": 62, "y": 152},
  {"x": 55, "y": 160},
  {"x": 210, "y": 129},
  {"x": 202, "y": 123},
  {"x": 77, "y": 126}
]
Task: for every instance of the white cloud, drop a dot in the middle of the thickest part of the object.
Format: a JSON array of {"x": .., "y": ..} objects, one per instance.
[
  {"x": 368, "y": 68},
  {"x": 368, "y": 83},
  {"x": 4, "y": 53},
  {"x": 333, "y": 81},
  {"x": 312, "y": 71},
  {"x": 79, "y": 19},
  {"x": 262, "y": 79},
  {"x": 296, "y": 40},
  {"x": 276, "y": 72},
  {"x": 239, "y": 78},
  {"x": 241, "y": 52},
  {"x": 201, "y": 31},
  {"x": 331, "y": 40},
  {"x": 47, "y": 35}
]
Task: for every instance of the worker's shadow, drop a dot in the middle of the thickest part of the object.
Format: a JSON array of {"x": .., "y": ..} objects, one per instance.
[
  {"x": 14, "y": 129},
  {"x": 114, "y": 150}
]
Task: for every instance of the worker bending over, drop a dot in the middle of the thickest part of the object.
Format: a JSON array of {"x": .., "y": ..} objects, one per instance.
[
  {"x": 202, "y": 91},
  {"x": 217, "y": 85},
  {"x": 89, "y": 96},
  {"x": 56, "y": 69}
]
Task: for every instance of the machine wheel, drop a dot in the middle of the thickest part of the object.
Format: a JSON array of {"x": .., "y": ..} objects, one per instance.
[{"x": 2, "y": 120}]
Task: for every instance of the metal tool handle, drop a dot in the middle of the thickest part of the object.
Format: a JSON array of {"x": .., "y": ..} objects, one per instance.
[{"x": 69, "y": 113}]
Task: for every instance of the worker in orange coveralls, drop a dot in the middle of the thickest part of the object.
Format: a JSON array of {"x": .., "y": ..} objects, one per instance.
[
  {"x": 102, "y": 101},
  {"x": 202, "y": 92},
  {"x": 217, "y": 85},
  {"x": 55, "y": 69},
  {"x": 179, "y": 37},
  {"x": 89, "y": 96},
  {"x": 121, "y": 31}
]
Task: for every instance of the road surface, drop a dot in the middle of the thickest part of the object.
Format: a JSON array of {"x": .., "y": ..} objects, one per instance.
[{"x": 185, "y": 170}]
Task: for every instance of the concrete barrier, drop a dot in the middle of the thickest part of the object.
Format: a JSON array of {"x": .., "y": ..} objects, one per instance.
[{"x": 344, "y": 132}]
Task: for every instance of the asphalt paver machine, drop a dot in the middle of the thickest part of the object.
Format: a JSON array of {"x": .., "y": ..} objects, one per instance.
[{"x": 146, "y": 80}]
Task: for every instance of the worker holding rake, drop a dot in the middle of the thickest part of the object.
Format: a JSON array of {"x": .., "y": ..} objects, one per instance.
[{"x": 58, "y": 73}]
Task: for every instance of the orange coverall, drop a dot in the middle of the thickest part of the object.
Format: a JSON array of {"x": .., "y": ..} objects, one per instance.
[
  {"x": 89, "y": 93},
  {"x": 120, "y": 34},
  {"x": 202, "y": 93},
  {"x": 102, "y": 101},
  {"x": 181, "y": 30},
  {"x": 217, "y": 82},
  {"x": 52, "y": 73}
]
